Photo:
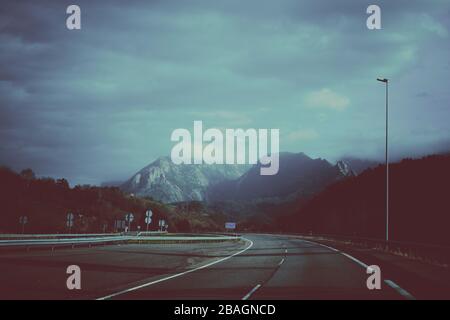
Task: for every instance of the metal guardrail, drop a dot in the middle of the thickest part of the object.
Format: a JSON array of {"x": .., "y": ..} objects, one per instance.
[
  {"x": 78, "y": 241},
  {"x": 65, "y": 241},
  {"x": 55, "y": 236},
  {"x": 185, "y": 238},
  {"x": 436, "y": 254},
  {"x": 145, "y": 233},
  {"x": 75, "y": 235}
]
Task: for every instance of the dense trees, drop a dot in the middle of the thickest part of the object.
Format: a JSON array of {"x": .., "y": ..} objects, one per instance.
[
  {"x": 46, "y": 202},
  {"x": 419, "y": 204}
]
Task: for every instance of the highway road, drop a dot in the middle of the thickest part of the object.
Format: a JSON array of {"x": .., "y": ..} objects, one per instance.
[{"x": 261, "y": 267}]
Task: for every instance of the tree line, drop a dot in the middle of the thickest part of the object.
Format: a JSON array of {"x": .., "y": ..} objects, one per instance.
[
  {"x": 419, "y": 204},
  {"x": 47, "y": 201}
]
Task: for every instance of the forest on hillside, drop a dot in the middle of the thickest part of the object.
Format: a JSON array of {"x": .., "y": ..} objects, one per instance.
[
  {"x": 419, "y": 193},
  {"x": 46, "y": 203}
]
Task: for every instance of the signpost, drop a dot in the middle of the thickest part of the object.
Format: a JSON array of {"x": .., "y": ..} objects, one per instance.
[
  {"x": 69, "y": 221},
  {"x": 23, "y": 220},
  {"x": 162, "y": 224},
  {"x": 129, "y": 217},
  {"x": 230, "y": 225},
  {"x": 148, "y": 217}
]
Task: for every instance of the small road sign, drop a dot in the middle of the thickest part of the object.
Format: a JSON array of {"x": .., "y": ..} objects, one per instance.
[
  {"x": 129, "y": 217},
  {"x": 69, "y": 221},
  {"x": 148, "y": 217},
  {"x": 161, "y": 224},
  {"x": 148, "y": 220},
  {"x": 230, "y": 225}
]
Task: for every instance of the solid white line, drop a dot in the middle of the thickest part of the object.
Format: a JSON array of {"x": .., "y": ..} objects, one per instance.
[
  {"x": 251, "y": 292},
  {"x": 362, "y": 264},
  {"x": 400, "y": 290},
  {"x": 175, "y": 275},
  {"x": 281, "y": 262},
  {"x": 391, "y": 283}
]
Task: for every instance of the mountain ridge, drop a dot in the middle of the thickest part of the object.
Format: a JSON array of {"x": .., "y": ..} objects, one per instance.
[
  {"x": 299, "y": 175},
  {"x": 167, "y": 182}
]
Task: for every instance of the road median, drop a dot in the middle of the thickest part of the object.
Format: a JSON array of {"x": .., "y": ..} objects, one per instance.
[{"x": 52, "y": 242}]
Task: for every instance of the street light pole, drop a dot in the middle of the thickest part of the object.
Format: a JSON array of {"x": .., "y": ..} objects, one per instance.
[{"x": 386, "y": 81}]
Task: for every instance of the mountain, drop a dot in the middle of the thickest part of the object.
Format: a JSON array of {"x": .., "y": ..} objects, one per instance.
[
  {"x": 299, "y": 175},
  {"x": 359, "y": 165},
  {"x": 164, "y": 181}
]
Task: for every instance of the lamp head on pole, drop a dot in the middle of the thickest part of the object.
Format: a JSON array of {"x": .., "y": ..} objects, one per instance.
[{"x": 383, "y": 80}]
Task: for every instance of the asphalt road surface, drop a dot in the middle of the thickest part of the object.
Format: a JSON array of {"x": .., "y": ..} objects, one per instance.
[{"x": 261, "y": 267}]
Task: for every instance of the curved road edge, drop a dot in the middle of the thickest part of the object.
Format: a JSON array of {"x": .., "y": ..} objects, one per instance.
[{"x": 178, "y": 274}]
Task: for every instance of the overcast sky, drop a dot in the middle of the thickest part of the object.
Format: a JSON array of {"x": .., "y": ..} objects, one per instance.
[{"x": 99, "y": 103}]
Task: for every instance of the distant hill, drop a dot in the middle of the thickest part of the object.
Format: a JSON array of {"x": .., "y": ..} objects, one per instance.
[
  {"x": 359, "y": 165},
  {"x": 164, "y": 181},
  {"x": 298, "y": 176},
  {"x": 419, "y": 204},
  {"x": 111, "y": 183}
]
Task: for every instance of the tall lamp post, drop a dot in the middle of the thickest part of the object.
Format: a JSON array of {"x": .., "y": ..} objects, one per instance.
[{"x": 386, "y": 82}]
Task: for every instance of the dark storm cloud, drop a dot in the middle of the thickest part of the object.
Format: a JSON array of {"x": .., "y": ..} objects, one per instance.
[{"x": 99, "y": 103}]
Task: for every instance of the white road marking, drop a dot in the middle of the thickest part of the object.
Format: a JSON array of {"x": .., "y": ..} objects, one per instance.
[
  {"x": 281, "y": 262},
  {"x": 362, "y": 264},
  {"x": 175, "y": 275},
  {"x": 285, "y": 250},
  {"x": 251, "y": 292},
  {"x": 400, "y": 290},
  {"x": 391, "y": 283}
]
